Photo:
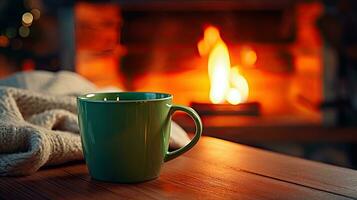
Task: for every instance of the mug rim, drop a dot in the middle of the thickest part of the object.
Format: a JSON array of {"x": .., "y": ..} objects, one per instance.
[{"x": 85, "y": 98}]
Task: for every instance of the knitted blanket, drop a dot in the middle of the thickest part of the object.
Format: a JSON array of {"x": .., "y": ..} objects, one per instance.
[{"x": 38, "y": 121}]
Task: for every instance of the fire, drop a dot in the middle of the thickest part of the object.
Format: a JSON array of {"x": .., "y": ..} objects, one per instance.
[
  {"x": 226, "y": 83},
  {"x": 218, "y": 72}
]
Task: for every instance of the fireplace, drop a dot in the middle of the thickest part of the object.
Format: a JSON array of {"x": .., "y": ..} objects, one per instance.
[
  {"x": 273, "y": 46},
  {"x": 274, "y": 50}
]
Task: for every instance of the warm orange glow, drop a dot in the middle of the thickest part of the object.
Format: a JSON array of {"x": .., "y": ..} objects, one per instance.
[
  {"x": 226, "y": 83},
  {"x": 210, "y": 38},
  {"x": 4, "y": 41},
  {"x": 211, "y": 35},
  {"x": 248, "y": 56},
  {"x": 203, "y": 47}
]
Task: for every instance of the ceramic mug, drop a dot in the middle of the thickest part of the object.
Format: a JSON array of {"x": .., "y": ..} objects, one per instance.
[{"x": 125, "y": 135}]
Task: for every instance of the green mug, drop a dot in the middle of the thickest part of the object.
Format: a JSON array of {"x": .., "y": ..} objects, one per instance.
[{"x": 125, "y": 135}]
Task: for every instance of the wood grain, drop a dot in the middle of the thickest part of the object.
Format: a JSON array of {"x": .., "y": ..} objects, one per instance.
[
  {"x": 214, "y": 169},
  {"x": 281, "y": 167}
]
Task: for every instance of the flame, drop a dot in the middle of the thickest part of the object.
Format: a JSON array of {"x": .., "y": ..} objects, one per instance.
[
  {"x": 239, "y": 83},
  {"x": 226, "y": 83},
  {"x": 218, "y": 72}
]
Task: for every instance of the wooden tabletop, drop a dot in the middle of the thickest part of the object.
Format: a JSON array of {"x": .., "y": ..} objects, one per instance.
[{"x": 214, "y": 169}]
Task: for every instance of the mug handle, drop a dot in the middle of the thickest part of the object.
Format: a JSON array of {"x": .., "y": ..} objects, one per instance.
[{"x": 193, "y": 114}]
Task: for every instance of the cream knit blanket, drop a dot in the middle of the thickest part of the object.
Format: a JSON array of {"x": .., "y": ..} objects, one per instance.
[{"x": 38, "y": 124}]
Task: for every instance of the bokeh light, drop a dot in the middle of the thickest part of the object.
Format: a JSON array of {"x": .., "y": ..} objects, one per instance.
[
  {"x": 248, "y": 56},
  {"x": 27, "y": 18},
  {"x": 30, "y": 4},
  {"x": 4, "y": 41},
  {"x": 24, "y": 31},
  {"x": 36, "y": 13}
]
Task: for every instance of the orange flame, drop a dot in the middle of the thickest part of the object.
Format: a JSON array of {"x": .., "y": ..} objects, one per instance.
[{"x": 226, "y": 83}]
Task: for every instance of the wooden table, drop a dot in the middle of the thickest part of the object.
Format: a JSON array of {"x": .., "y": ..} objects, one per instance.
[{"x": 214, "y": 169}]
